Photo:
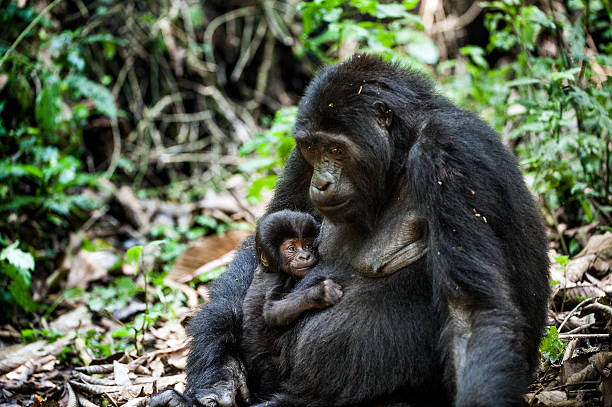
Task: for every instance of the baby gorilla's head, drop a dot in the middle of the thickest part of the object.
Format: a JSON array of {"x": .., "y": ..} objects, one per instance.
[{"x": 285, "y": 241}]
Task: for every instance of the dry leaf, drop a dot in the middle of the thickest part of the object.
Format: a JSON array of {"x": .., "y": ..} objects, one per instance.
[
  {"x": 205, "y": 250},
  {"x": 121, "y": 374},
  {"x": 578, "y": 266},
  {"x": 89, "y": 266},
  {"x": 601, "y": 245},
  {"x": 157, "y": 368},
  {"x": 549, "y": 398}
]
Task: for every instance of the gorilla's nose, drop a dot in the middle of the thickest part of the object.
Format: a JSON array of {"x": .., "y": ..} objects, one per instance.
[
  {"x": 304, "y": 256},
  {"x": 321, "y": 184}
]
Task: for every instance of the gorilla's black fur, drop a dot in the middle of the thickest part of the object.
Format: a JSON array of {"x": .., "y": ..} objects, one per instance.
[{"x": 459, "y": 326}]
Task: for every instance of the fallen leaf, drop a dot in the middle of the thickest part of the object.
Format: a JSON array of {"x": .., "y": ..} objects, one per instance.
[
  {"x": 204, "y": 251},
  {"x": 549, "y": 398},
  {"x": 89, "y": 266},
  {"x": 121, "y": 374}
]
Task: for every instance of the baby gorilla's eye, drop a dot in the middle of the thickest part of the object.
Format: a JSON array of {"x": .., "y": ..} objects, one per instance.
[
  {"x": 291, "y": 249},
  {"x": 309, "y": 246}
]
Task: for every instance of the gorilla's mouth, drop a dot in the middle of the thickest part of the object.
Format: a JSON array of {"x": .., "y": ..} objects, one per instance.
[
  {"x": 301, "y": 271},
  {"x": 333, "y": 207}
]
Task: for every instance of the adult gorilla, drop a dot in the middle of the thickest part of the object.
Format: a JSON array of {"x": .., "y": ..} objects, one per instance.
[{"x": 424, "y": 195}]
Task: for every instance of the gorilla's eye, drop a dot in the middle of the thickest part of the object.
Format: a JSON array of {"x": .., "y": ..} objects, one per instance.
[
  {"x": 306, "y": 148},
  {"x": 335, "y": 150},
  {"x": 291, "y": 249}
]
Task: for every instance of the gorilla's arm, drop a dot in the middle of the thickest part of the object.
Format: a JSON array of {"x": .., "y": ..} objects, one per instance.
[
  {"x": 215, "y": 374},
  {"x": 485, "y": 250},
  {"x": 284, "y": 311},
  {"x": 216, "y": 328}
]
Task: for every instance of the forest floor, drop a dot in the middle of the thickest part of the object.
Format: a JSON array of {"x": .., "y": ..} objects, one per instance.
[{"x": 60, "y": 364}]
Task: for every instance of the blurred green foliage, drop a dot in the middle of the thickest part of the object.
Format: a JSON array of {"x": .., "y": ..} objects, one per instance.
[
  {"x": 389, "y": 29},
  {"x": 552, "y": 101},
  {"x": 269, "y": 151},
  {"x": 47, "y": 98}
]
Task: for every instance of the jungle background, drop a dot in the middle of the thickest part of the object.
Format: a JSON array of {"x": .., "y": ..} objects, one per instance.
[{"x": 140, "y": 140}]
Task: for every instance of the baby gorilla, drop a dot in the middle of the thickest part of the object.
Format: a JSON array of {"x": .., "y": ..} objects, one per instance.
[{"x": 286, "y": 249}]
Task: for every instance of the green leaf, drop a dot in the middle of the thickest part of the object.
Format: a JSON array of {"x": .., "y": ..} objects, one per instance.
[
  {"x": 19, "y": 170},
  {"x": 48, "y": 105},
  {"x": 522, "y": 81},
  {"x": 256, "y": 189},
  {"x": 551, "y": 346},
  {"x": 423, "y": 48},
  {"x": 256, "y": 163},
  {"x": 562, "y": 260},
  {"x": 390, "y": 11},
  {"x": 19, "y": 288},
  {"x": 570, "y": 74},
  {"x": 476, "y": 53},
  {"x": 17, "y": 257},
  {"x": 101, "y": 96},
  {"x": 133, "y": 254}
]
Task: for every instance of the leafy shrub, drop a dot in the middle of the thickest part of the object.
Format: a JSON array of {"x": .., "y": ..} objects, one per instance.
[
  {"x": 389, "y": 29},
  {"x": 551, "y": 101},
  {"x": 46, "y": 98},
  {"x": 271, "y": 148},
  {"x": 16, "y": 267}
]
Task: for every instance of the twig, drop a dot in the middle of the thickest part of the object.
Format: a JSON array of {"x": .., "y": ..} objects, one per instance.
[
  {"x": 266, "y": 65},
  {"x": 580, "y": 328},
  {"x": 72, "y": 398},
  {"x": 221, "y": 261},
  {"x": 276, "y": 24},
  {"x": 222, "y": 19},
  {"x": 572, "y": 313},
  {"x": 585, "y": 336},
  {"x": 453, "y": 23},
  {"x": 116, "y": 155},
  {"x": 599, "y": 307},
  {"x": 246, "y": 56},
  {"x": 27, "y": 31}
]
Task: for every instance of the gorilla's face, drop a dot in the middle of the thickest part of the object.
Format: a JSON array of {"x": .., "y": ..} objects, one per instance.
[{"x": 332, "y": 186}]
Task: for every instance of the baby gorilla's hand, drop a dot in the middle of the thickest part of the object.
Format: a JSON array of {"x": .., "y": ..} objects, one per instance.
[{"x": 328, "y": 293}]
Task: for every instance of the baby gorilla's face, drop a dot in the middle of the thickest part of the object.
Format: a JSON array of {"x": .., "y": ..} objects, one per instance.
[{"x": 297, "y": 256}]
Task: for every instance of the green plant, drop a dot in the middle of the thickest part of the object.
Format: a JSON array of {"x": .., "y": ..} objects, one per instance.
[
  {"x": 16, "y": 266},
  {"x": 551, "y": 347},
  {"x": 47, "y": 98},
  {"x": 550, "y": 101},
  {"x": 269, "y": 150},
  {"x": 31, "y": 335},
  {"x": 389, "y": 29}
]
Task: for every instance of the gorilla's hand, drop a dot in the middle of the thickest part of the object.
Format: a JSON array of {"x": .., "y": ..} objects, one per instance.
[
  {"x": 220, "y": 394},
  {"x": 169, "y": 398},
  {"x": 328, "y": 292},
  {"x": 223, "y": 393}
]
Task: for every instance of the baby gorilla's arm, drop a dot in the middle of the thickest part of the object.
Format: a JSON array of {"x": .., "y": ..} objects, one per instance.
[{"x": 282, "y": 312}]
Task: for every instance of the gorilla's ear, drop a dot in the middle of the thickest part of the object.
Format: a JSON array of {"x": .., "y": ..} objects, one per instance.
[
  {"x": 384, "y": 115},
  {"x": 263, "y": 260}
]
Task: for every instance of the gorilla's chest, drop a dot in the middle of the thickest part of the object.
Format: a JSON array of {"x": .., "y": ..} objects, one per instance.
[{"x": 398, "y": 240}]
